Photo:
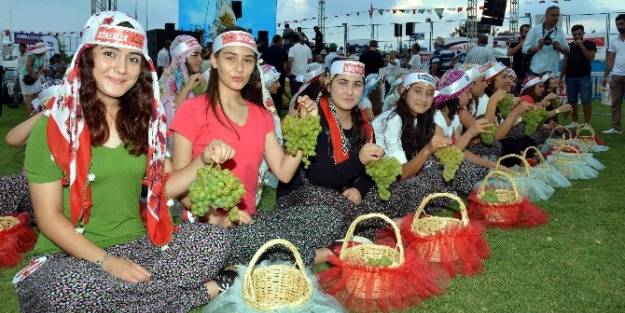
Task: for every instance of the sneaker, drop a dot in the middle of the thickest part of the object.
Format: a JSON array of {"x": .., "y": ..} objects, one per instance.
[
  {"x": 572, "y": 125},
  {"x": 612, "y": 131}
]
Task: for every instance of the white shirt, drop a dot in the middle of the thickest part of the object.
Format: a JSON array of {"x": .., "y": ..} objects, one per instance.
[
  {"x": 479, "y": 55},
  {"x": 392, "y": 70},
  {"x": 329, "y": 58},
  {"x": 448, "y": 129},
  {"x": 415, "y": 62},
  {"x": 545, "y": 59},
  {"x": 387, "y": 130},
  {"x": 617, "y": 45},
  {"x": 300, "y": 54},
  {"x": 162, "y": 59},
  {"x": 479, "y": 108}
]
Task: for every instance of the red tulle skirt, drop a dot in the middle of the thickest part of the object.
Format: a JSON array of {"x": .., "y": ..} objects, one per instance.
[
  {"x": 520, "y": 214},
  {"x": 361, "y": 288},
  {"x": 456, "y": 248},
  {"x": 16, "y": 240}
]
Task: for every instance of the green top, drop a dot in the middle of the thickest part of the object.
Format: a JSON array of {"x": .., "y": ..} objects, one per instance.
[
  {"x": 38, "y": 63},
  {"x": 115, "y": 217}
]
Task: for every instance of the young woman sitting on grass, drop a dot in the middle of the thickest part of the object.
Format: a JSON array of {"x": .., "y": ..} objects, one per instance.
[{"x": 86, "y": 163}]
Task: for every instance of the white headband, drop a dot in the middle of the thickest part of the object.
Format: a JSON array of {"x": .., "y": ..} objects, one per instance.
[
  {"x": 492, "y": 69},
  {"x": 189, "y": 45},
  {"x": 347, "y": 67},
  {"x": 547, "y": 76},
  {"x": 532, "y": 82},
  {"x": 235, "y": 38},
  {"x": 460, "y": 84},
  {"x": 419, "y": 78}
]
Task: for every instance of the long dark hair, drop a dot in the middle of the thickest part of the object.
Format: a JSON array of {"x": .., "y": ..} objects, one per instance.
[
  {"x": 135, "y": 106},
  {"x": 414, "y": 138},
  {"x": 360, "y": 133},
  {"x": 251, "y": 92},
  {"x": 453, "y": 107},
  {"x": 532, "y": 93}
]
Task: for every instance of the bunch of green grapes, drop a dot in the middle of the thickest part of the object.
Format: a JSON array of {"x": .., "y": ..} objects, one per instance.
[
  {"x": 199, "y": 88},
  {"x": 379, "y": 262},
  {"x": 505, "y": 105},
  {"x": 489, "y": 136},
  {"x": 450, "y": 157},
  {"x": 556, "y": 102},
  {"x": 384, "y": 172},
  {"x": 490, "y": 196},
  {"x": 533, "y": 119},
  {"x": 301, "y": 134},
  {"x": 216, "y": 188}
]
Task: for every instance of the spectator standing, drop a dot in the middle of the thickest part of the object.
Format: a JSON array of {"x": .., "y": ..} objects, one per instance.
[
  {"x": 520, "y": 61},
  {"x": 287, "y": 35},
  {"x": 415, "y": 60},
  {"x": 318, "y": 40},
  {"x": 616, "y": 65},
  {"x": 576, "y": 67},
  {"x": 373, "y": 61},
  {"x": 480, "y": 54},
  {"x": 442, "y": 59},
  {"x": 162, "y": 58},
  {"x": 331, "y": 56},
  {"x": 303, "y": 38},
  {"x": 546, "y": 42},
  {"x": 278, "y": 57},
  {"x": 299, "y": 57}
]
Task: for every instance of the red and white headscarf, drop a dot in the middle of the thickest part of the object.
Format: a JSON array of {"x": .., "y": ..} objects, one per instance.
[{"x": 68, "y": 135}]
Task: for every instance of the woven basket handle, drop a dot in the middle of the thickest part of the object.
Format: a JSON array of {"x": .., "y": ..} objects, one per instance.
[
  {"x": 352, "y": 228},
  {"x": 560, "y": 127},
  {"x": 577, "y": 153},
  {"x": 247, "y": 279},
  {"x": 501, "y": 174},
  {"x": 584, "y": 127},
  {"x": 540, "y": 154},
  {"x": 8, "y": 222},
  {"x": 430, "y": 197},
  {"x": 526, "y": 166}
]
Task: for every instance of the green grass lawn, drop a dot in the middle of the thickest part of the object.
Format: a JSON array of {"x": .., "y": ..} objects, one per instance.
[{"x": 576, "y": 263}]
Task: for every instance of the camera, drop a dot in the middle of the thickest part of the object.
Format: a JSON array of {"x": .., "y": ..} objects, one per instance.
[{"x": 547, "y": 39}]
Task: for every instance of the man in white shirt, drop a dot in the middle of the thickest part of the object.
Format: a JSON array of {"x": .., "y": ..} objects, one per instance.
[
  {"x": 415, "y": 60},
  {"x": 546, "y": 42},
  {"x": 163, "y": 59},
  {"x": 616, "y": 65},
  {"x": 299, "y": 56},
  {"x": 480, "y": 54}
]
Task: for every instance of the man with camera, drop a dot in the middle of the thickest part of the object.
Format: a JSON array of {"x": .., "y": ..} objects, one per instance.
[
  {"x": 546, "y": 42},
  {"x": 576, "y": 67}
]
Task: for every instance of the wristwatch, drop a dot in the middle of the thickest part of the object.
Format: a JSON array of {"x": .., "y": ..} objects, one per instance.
[{"x": 99, "y": 262}]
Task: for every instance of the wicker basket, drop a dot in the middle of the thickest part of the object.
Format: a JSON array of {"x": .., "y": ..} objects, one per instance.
[
  {"x": 588, "y": 139},
  {"x": 526, "y": 166},
  {"x": 359, "y": 255},
  {"x": 274, "y": 286},
  {"x": 8, "y": 222},
  {"x": 429, "y": 225},
  {"x": 505, "y": 197},
  {"x": 538, "y": 153},
  {"x": 551, "y": 140}
]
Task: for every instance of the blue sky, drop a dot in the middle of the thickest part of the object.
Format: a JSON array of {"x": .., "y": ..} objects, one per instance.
[{"x": 70, "y": 15}]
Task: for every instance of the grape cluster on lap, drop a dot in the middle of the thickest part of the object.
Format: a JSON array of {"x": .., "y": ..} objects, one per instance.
[
  {"x": 216, "y": 188},
  {"x": 450, "y": 157},
  {"x": 384, "y": 172}
]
